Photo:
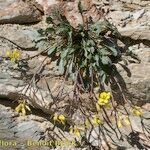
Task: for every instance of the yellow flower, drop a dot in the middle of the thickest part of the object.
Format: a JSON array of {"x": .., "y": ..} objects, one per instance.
[
  {"x": 96, "y": 121},
  {"x": 59, "y": 118},
  {"x": 119, "y": 123},
  {"x": 55, "y": 118},
  {"x": 18, "y": 108},
  {"x": 76, "y": 131},
  {"x": 13, "y": 55},
  {"x": 105, "y": 95},
  {"x": 23, "y": 111},
  {"x": 87, "y": 123},
  {"x": 62, "y": 119},
  {"x": 21, "y": 108},
  {"x": 104, "y": 98},
  {"x": 137, "y": 111}
]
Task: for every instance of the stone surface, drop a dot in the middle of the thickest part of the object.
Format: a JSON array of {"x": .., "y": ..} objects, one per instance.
[
  {"x": 14, "y": 82},
  {"x": 18, "y": 12},
  {"x": 23, "y": 130},
  {"x": 136, "y": 33},
  {"x": 24, "y": 38},
  {"x": 27, "y": 37},
  {"x": 47, "y": 4},
  {"x": 131, "y": 18},
  {"x": 71, "y": 11},
  {"x": 138, "y": 84},
  {"x": 120, "y": 136}
]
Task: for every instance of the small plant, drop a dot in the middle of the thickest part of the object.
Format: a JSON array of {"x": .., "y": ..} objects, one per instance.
[{"x": 86, "y": 55}]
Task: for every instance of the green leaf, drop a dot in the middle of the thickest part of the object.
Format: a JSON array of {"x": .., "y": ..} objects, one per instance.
[
  {"x": 41, "y": 31},
  {"x": 64, "y": 53},
  {"x": 97, "y": 59},
  {"x": 112, "y": 49},
  {"x": 99, "y": 27},
  {"x": 89, "y": 56},
  {"x": 92, "y": 50},
  {"x": 63, "y": 29},
  {"x": 70, "y": 38},
  {"x": 80, "y": 7},
  {"x": 49, "y": 20},
  {"x": 103, "y": 78},
  {"x": 61, "y": 66},
  {"x": 104, "y": 51},
  {"x": 86, "y": 53},
  {"x": 71, "y": 67},
  {"x": 51, "y": 50},
  {"x": 84, "y": 63},
  {"x": 50, "y": 30},
  {"x": 71, "y": 51},
  {"x": 90, "y": 43},
  {"x": 106, "y": 60},
  {"x": 73, "y": 76}
]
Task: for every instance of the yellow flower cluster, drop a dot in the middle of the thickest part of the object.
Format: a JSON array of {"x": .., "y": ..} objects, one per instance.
[
  {"x": 59, "y": 118},
  {"x": 77, "y": 129},
  {"x": 13, "y": 55},
  {"x": 137, "y": 111},
  {"x": 22, "y": 107},
  {"x": 103, "y": 100}
]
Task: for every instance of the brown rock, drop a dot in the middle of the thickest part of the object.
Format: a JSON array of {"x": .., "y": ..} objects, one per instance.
[
  {"x": 47, "y": 5},
  {"x": 72, "y": 14},
  {"x": 19, "y": 12}
]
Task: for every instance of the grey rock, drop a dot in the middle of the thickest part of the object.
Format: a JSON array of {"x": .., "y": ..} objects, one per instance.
[
  {"x": 138, "y": 84},
  {"x": 138, "y": 14},
  {"x": 23, "y": 38},
  {"x": 23, "y": 129},
  {"x": 6, "y": 3}
]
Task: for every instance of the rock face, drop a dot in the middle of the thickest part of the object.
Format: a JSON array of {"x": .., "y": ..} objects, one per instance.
[
  {"x": 133, "y": 24},
  {"x": 18, "y": 12},
  {"x": 11, "y": 82},
  {"x": 47, "y": 4},
  {"x": 25, "y": 130},
  {"x": 71, "y": 11},
  {"x": 138, "y": 84},
  {"x": 131, "y": 18},
  {"x": 26, "y": 38},
  {"x": 23, "y": 38},
  {"x": 14, "y": 82}
]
